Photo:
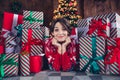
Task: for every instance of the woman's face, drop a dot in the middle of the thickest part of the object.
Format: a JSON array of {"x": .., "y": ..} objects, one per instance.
[{"x": 60, "y": 33}]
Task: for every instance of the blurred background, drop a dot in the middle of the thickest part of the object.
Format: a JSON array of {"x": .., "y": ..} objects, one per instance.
[{"x": 85, "y": 8}]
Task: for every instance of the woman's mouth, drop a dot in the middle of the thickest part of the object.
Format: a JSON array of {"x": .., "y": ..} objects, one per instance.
[{"x": 60, "y": 36}]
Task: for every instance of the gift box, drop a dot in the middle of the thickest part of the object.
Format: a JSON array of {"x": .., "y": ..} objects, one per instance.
[
  {"x": 24, "y": 64},
  {"x": 92, "y": 52},
  {"x": 115, "y": 32},
  {"x": 32, "y": 18},
  {"x": 11, "y": 20},
  {"x": 35, "y": 64},
  {"x": 112, "y": 59},
  {"x": 83, "y": 27},
  {"x": 34, "y": 40},
  {"x": 93, "y": 28},
  {"x": 98, "y": 28},
  {"x": 112, "y": 19},
  {"x": 8, "y": 65},
  {"x": 12, "y": 44}
]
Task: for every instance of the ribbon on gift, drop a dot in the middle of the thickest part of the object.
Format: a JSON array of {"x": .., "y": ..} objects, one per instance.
[
  {"x": 114, "y": 55},
  {"x": 3, "y": 62},
  {"x": 1, "y": 44},
  {"x": 27, "y": 46},
  {"x": 97, "y": 25},
  {"x": 19, "y": 30},
  {"x": 94, "y": 67},
  {"x": 31, "y": 19}
]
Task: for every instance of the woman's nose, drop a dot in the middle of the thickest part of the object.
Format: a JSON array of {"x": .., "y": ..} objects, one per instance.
[{"x": 60, "y": 32}]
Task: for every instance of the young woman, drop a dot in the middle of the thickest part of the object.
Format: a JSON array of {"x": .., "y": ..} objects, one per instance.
[{"x": 60, "y": 49}]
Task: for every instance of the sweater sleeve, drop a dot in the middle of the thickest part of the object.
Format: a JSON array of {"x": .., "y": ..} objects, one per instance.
[
  {"x": 50, "y": 51},
  {"x": 73, "y": 51}
]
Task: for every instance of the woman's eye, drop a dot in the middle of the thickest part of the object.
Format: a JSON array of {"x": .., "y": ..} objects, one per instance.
[{"x": 56, "y": 30}]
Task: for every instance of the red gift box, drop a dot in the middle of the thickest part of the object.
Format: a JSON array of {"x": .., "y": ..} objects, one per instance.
[
  {"x": 2, "y": 44},
  {"x": 11, "y": 20},
  {"x": 35, "y": 64}
]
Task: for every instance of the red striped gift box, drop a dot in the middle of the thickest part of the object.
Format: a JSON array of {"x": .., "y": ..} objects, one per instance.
[
  {"x": 24, "y": 65},
  {"x": 10, "y": 21},
  {"x": 11, "y": 70},
  {"x": 92, "y": 54},
  {"x": 112, "y": 68},
  {"x": 10, "y": 44},
  {"x": 32, "y": 18},
  {"x": 113, "y": 17},
  {"x": 37, "y": 33},
  {"x": 115, "y": 32},
  {"x": 83, "y": 27}
]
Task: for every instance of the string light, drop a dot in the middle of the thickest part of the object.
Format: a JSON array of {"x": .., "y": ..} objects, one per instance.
[{"x": 67, "y": 9}]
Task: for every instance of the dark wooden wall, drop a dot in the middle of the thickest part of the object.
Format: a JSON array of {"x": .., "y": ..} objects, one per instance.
[{"x": 86, "y": 8}]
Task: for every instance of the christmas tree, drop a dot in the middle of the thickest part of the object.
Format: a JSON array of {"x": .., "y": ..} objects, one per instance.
[{"x": 68, "y": 10}]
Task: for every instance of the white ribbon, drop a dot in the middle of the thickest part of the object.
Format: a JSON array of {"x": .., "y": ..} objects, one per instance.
[
  {"x": 108, "y": 28},
  {"x": 9, "y": 50},
  {"x": 15, "y": 20}
]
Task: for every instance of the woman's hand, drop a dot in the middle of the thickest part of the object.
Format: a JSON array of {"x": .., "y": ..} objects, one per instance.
[
  {"x": 55, "y": 43},
  {"x": 67, "y": 41}
]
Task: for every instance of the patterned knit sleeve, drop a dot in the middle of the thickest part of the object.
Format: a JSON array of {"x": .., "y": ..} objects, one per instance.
[
  {"x": 48, "y": 50},
  {"x": 73, "y": 51}
]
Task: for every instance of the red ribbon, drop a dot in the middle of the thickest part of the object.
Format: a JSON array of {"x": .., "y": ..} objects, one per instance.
[
  {"x": 114, "y": 55},
  {"x": 2, "y": 45},
  {"x": 27, "y": 46},
  {"x": 97, "y": 25}
]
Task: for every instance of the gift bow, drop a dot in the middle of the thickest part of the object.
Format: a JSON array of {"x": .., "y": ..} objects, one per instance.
[
  {"x": 99, "y": 26},
  {"x": 94, "y": 67},
  {"x": 19, "y": 30},
  {"x": 31, "y": 19},
  {"x": 3, "y": 62},
  {"x": 27, "y": 46},
  {"x": 114, "y": 55}
]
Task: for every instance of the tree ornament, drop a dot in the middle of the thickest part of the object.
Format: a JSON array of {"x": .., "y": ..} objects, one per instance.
[{"x": 70, "y": 4}]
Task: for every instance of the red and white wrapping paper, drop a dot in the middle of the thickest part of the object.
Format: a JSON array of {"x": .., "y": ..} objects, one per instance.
[
  {"x": 112, "y": 68},
  {"x": 114, "y": 21},
  {"x": 85, "y": 49},
  {"x": 10, "y": 44},
  {"x": 10, "y": 21},
  {"x": 115, "y": 32},
  {"x": 37, "y": 33},
  {"x": 11, "y": 70},
  {"x": 24, "y": 65},
  {"x": 35, "y": 14}
]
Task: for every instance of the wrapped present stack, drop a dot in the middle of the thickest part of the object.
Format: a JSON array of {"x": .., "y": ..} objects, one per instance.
[
  {"x": 32, "y": 42},
  {"x": 21, "y": 44},
  {"x": 99, "y": 40},
  {"x": 10, "y": 45}
]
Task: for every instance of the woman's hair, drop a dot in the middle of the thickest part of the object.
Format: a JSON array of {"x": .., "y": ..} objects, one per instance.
[{"x": 64, "y": 22}]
